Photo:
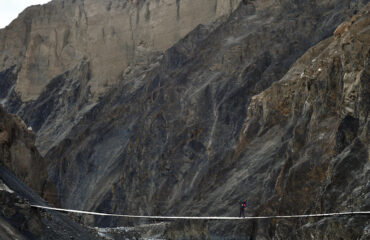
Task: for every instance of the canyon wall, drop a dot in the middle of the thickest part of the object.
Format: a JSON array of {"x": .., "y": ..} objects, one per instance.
[
  {"x": 176, "y": 137},
  {"x": 269, "y": 103},
  {"x": 46, "y": 41},
  {"x": 23, "y": 179},
  {"x": 84, "y": 48}
]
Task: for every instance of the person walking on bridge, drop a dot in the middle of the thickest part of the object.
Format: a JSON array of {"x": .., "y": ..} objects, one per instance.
[{"x": 243, "y": 205}]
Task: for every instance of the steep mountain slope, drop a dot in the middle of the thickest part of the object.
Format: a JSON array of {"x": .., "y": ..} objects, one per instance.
[
  {"x": 170, "y": 138},
  {"x": 208, "y": 123},
  {"x": 17, "y": 219},
  {"x": 46, "y": 41},
  {"x": 81, "y": 48},
  {"x": 321, "y": 107}
]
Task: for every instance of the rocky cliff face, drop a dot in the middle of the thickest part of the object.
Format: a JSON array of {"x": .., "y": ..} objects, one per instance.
[
  {"x": 97, "y": 39},
  {"x": 46, "y": 41},
  {"x": 18, "y": 220},
  {"x": 20, "y": 164},
  {"x": 265, "y": 105},
  {"x": 321, "y": 108},
  {"x": 172, "y": 138},
  {"x": 19, "y": 154}
]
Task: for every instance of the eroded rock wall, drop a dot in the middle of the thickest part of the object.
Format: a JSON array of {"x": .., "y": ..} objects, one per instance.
[
  {"x": 322, "y": 106},
  {"x": 57, "y": 60},
  {"x": 18, "y": 220},
  {"x": 19, "y": 155},
  {"x": 23, "y": 181},
  {"x": 18, "y": 152},
  {"x": 176, "y": 138},
  {"x": 46, "y": 41},
  {"x": 243, "y": 108}
]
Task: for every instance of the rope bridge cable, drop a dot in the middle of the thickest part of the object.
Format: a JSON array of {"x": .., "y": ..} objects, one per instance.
[{"x": 202, "y": 218}]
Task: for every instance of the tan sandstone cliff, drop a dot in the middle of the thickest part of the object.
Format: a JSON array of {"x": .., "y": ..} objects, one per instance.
[{"x": 44, "y": 42}]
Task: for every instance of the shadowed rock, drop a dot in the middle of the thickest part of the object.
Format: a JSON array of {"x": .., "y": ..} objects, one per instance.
[{"x": 265, "y": 105}]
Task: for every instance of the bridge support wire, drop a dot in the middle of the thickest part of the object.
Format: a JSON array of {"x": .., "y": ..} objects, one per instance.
[{"x": 202, "y": 218}]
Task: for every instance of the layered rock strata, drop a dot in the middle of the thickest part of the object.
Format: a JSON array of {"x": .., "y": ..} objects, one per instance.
[
  {"x": 46, "y": 41},
  {"x": 265, "y": 105},
  {"x": 172, "y": 139},
  {"x": 78, "y": 50}
]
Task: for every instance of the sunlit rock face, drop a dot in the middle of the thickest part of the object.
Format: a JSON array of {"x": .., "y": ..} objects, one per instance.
[
  {"x": 62, "y": 56},
  {"x": 45, "y": 41}
]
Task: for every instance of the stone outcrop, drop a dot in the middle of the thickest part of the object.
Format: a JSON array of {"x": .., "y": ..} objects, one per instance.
[
  {"x": 18, "y": 220},
  {"x": 20, "y": 164},
  {"x": 19, "y": 154}
]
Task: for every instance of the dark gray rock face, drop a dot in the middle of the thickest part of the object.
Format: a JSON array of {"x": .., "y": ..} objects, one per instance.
[
  {"x": 18, "y": 220},
  {"x": 21, "y": 165},
  {"x": 170, "y": 138},
  {"x": 58, "y": 59},
  {"x": 226, "y": 114}
]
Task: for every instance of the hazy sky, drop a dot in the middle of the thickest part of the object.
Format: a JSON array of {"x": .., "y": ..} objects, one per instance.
[{"x": 9, "y": 9}]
